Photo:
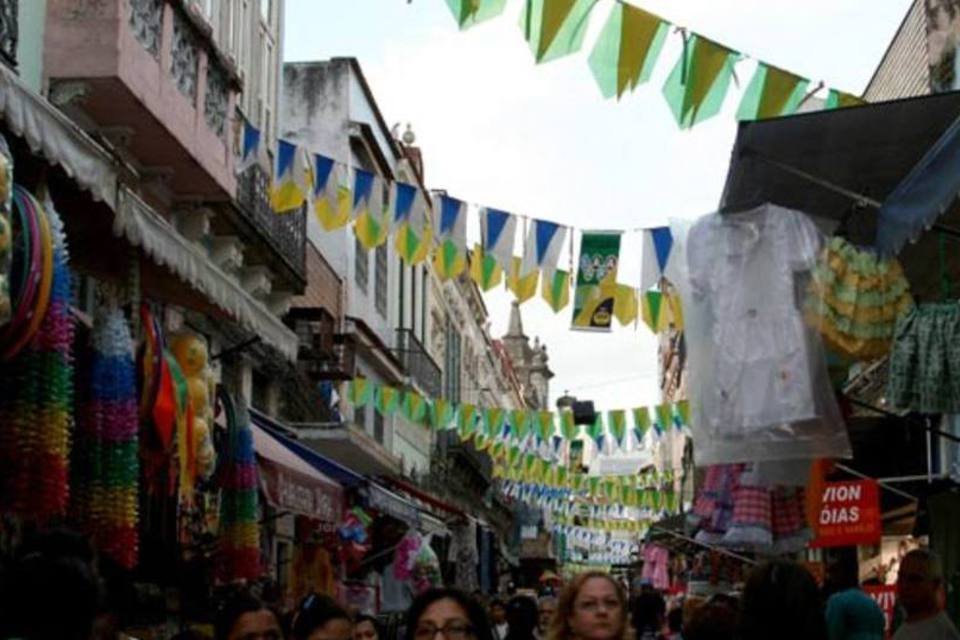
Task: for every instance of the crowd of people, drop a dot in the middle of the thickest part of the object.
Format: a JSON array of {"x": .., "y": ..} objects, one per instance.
[{"x": 780, "y": 599}]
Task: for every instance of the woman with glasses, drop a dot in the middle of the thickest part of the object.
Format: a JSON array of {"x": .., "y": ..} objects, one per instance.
[
  {"x": 321, "y": 618},
  {"x": 447, "y": 614},
  {"x": 591, "y": 607}
]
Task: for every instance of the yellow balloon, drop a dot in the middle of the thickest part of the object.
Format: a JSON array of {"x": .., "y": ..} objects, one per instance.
[
  {"x": 201, "y": 432},
  {"x": 190, "y": 351},
  {"x": 199, "y": 397}
]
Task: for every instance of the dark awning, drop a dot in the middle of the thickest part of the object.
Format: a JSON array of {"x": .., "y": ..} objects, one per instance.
[{"x": 842, "y": 165}]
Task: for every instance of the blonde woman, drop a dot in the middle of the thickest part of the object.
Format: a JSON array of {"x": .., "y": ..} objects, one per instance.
[{"x": 591, "y": 607}]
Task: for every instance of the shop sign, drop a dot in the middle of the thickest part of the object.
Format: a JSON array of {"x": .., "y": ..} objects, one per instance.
[
  {"x": 290, "y": 490},
  {"x": 393, "y": 505},
  {"x": 849, "y": 514},
  {"x": 885, "y": 596}
]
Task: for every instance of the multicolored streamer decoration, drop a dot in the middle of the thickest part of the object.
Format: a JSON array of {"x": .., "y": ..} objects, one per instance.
[
  {"x": 36, "y": 386},
  {"x": 106, "y": 463},
  {"x": 239, "y": 552},
  {"x": 627, "y": 49},
  {"x": 698, "y": 83},
  {"x": 772, "y": 92},
  {"x": 470, "y": 12},
  {"x": 555, "y": 28}
]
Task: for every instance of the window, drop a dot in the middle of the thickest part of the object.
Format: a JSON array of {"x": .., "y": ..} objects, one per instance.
[
  {"x": 413, "y": 299},
  {"x": 423, "y": 309},
  {"x": 360, "y": 265},
  {"x": 360, "y": 416},
  {"x": 451, "y": 390},
  {"x": 378, "y": 427},
  {"x": 400, "y": 298},
  {"x": 380, "y": 281}
]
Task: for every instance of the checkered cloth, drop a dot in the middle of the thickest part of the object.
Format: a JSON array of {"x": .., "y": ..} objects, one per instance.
[
  {"x": 750, "y": 526},
  {"x": 787, "y": 516},
  {"x": 925, "y": 360}
]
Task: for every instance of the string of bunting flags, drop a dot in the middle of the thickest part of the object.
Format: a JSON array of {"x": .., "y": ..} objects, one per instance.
[
  {"x": 434, "y": 227},
  {"x": 523, "y": 437},
  {"x": 629, "y": 46}
]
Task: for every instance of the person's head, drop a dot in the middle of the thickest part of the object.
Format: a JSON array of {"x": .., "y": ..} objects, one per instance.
[
  {"x": 546, "y": 608},
  {"x": 919, "y": 582},
  {"x": 450, "y": 611},
  {"x": 365, "y": 628},
  {"x": 648, "y": 611},
  {"x": 321, "y": 618},
  {"x": 843, "y": 569},
  {"x": 498, "y": 611},
  {"x": 521, "y": 617},
  {"x": 781, "y": 600},
  {"x": 591, "y": 607},
  {"x": 675, "y": 619},
  {"x": 245, "y": 617},
  {"x": 712, "y": 621}
]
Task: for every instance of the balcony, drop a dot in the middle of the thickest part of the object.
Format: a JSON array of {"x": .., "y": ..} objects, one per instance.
[
  {"x": 283, "y": 237},
  {"x": 418, "y": 363},
  {"x": 324, "y": 353},
  {"x": 9, "y": 32},
  {"x": 147, "y": 76}
]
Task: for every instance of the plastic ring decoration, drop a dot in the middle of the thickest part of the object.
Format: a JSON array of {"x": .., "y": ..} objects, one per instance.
[
  {"x": 46, "y": 281},
  {"x": 30, "y": 269}
]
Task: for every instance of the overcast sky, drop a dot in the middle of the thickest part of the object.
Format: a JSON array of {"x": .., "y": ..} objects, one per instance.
[{"x": 540, "y": 141}]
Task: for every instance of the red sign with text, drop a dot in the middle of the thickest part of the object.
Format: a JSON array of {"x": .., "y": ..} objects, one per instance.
[
  {"x": 886, "y": 596},
  {"x": 849, "y": 514}
]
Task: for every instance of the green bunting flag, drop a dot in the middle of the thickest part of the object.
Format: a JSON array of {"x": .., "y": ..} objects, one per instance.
[
  {"x": 568, "y": 427},
  {"x": 648, "y": 500},
  {"x": 617, "y": 420},
  {"x": 698, "y": 83},
  {"x": 578, "y": 481},
  {"x": 414, "y": 407},
  {"x": 386, "y": 400},
  {"x": 441, "y": 414},
  {"x": 470, "y": 12},
  {"x": 652, "y": 311},
  {"x": 467, "y": 421},
  {"x": 562, "y": 476},
  {"x": 556, "y": 291},
  {"x": 545, "y": 425},
  {"x": 593, "y": 482},
  {"x": 484, "y": 269},
  {"x": 493, "y": 421},
  {"x": 595, "y": 430},
  {"x": 840, "y": 100},
  {"x": 481, "y": 441},
  {"x": 664, "y": 416},
  {"x": 641, "y": 421},
  {"x": 555, "y": 28},
  {"x": 514, "y": 456},
  {"x": 519, "y": 420},
  {"x": 683, "y": 412},
  {"x": 359, "y": 392},
  {"x": 673, "y": 502},
  {"x": 627, "y": 49},
  {"x": 772, "y": 92}
]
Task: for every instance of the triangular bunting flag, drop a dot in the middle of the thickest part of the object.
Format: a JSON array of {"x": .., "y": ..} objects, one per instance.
[
  {"x": 450, "y": 257},
  {"x": 682, "y": 413},
  {"x": 332, "y": 201},
  {"x": 441, "y": 414},
  {"x": 664, "y": 417},
  {"x": 412, "y": 235},
  {"x": 484, "y": 270},
  {"x": 840, "y": 100},
  {"x": 251, "y": 149},
  {"x": 568, "y": 426},
  {"x": 557, "y": 291},
  {"x": 625, "y": 305},
  {"x": 617, "y": 420},
  {"x": 656, "y": 252},
  {"x": 372, "y": 225},
  {"x": 593, "y": 484},
  {"x": 288, "y": 191},
  {"x": 469, "y": 12},
  {"x": 545, "y": 424},
  {"x": 652, "y": 312},
  {"x": 555, "y": 28},
  {"x": 493, "y": 420},
  {"x": 520, "y": 423},
  {"x": 772, "y": 92},
  {"x": 641, "y": 423},
  {"x": 524, "y": 287},
  {"x": 359, "y": 392},
  {"x": 698, "y": 83},
  {"x": 386, "y": 399},
  {"x": 498, "y": 231},
  {"x": 627, "y": 49},
  {"x": 466, "y": 421},
  {"x": 414, "y": 407},
  {"x": 542, "y": 247}
]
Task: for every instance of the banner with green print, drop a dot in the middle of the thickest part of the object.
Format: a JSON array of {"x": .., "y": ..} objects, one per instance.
[{"x": 596, "y": 280}]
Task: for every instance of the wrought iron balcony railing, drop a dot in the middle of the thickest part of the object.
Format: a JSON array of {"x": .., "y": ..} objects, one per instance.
[
  {"x": 285, "y": 233},
  {"x": 418, "y": 363},
  {"x": 9, "y": 31}
]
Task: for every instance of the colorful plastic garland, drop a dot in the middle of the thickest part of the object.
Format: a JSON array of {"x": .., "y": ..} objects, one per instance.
[{"x": 36, "y": 381}]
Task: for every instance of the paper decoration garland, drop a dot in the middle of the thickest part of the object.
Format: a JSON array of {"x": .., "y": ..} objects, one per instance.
[
  {"x": 523, "y": 287},
  {"x": 555, "y": 28},
  {"x": 106, "y": 459},
  {"x": 484, "y": 269},
  {"x": 289, "y": 178},
  {"x": 413, "y": 236},
  {"x": 332, "y": 200},
  {"x": 627, "y": 49},
  {"x": 498, "y": 230},
  {"x": 450, "y": 259},
  {"x": 657, "y": 249},
  {"x": 239, "y": 551},
  {"x": 698, "y": 84},
  {"x": 470, "y": 12},
  {"x": 557, "y": 291},
  {"x": 36, "y": 394},
  {"x": 772, "y": 92}
]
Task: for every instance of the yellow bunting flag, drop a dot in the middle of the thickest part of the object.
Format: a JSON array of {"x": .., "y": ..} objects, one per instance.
[
  {"x": 523, "y": 287},
  {"x": 484, "y": 269},
  {"x": 625, "y": 306},
  {"x": 556, "y": 291}
]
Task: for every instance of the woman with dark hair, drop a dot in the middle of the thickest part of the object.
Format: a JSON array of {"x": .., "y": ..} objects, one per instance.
[
  {"x": 649, "y": 613},
  {"x": 243, "y": 616},
  {"x": 522, "y": 618},
  {"x": 449, "y": 612},
  {"x": 781, "y": 600},
  {"x": 365, "y": 628},
  {"x": 321, "y": 618},
  {"x": 591, "y": 607}
]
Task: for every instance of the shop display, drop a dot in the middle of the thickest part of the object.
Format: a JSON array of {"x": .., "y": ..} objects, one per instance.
[
  {"x": 239, "y": 553},
  {"x": 106, "y": 464},
  {"x": 197, "y": 456},
  {"x": 758, "y": 385},
  {"x": 36, "y": 381},
  {"x": 855, "y": 299},
  {"x": 925, "y": 359}
]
